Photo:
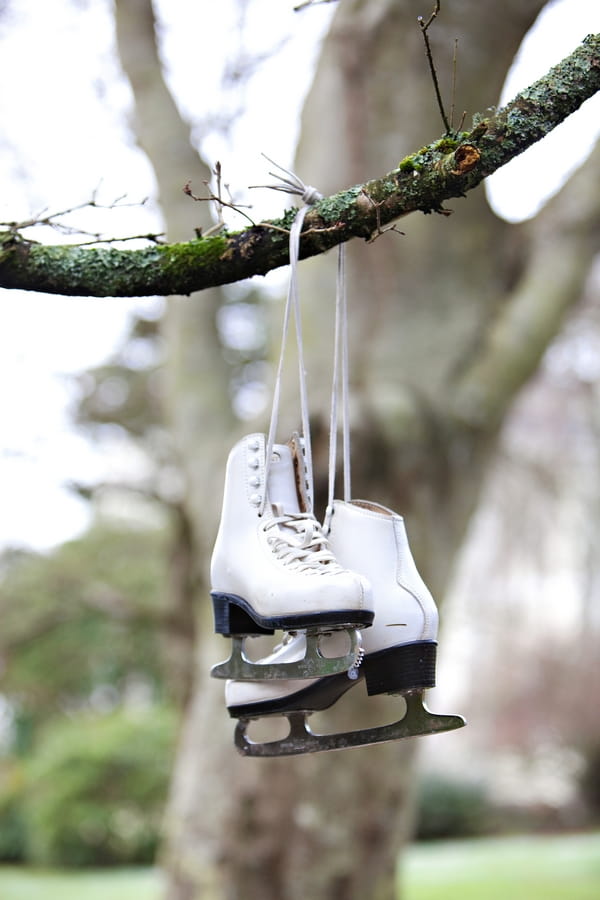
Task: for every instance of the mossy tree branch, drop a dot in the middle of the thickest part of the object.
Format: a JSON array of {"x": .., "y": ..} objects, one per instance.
[{"x": 447, "y": 168}]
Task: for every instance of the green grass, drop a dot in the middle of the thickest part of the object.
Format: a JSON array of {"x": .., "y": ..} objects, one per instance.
[
  {"x": 100, "y": 884},
  {"x": 519, "y": 868}
]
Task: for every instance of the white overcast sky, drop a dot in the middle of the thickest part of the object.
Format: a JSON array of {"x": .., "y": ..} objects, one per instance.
[{"x": 66, "y": 134}]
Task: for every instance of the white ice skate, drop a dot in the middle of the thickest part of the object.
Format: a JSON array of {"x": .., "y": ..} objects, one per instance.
[
  {"x": 400, "y": 647},
  {"x": 274, "y": 569}
]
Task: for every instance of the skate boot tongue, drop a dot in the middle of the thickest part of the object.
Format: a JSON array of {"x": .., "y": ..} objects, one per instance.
[
  {"x": 296, "y": 528},
  {"x": 282, "y": 490}
]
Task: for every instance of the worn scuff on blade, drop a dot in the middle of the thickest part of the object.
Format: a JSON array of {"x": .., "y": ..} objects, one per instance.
[
  {"x": 417, "y": 721},
  {"x": 313, "y": 665}
]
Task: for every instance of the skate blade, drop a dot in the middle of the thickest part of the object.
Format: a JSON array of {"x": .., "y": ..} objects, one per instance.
[
  {"x": 313, "y": 665},
  {"x": 417, "y": 721}
]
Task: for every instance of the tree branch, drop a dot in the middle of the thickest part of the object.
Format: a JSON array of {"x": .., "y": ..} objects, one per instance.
[{"x": 449, "y": 167}]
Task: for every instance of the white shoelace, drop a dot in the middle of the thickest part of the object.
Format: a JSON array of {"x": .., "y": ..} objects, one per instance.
[
  {"x": 309, "y": 196},
  {"x": 298, "y": 541},
  {"x": 339, "y": 387}
]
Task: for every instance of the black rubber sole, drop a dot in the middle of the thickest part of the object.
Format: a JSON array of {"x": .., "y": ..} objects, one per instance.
[
  {"x": 234, "y": 615},
  {"x": 395, "y": 670}
]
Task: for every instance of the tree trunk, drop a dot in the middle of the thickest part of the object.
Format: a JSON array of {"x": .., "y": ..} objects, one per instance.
[
  {"x": 196, "y": 387},
  {"x": 431, "y": 336}
]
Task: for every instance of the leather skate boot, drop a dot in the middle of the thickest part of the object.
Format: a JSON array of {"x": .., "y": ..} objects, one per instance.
[
  {"x": 399, "y": 648},
  {"x": 272, "y": 568}
]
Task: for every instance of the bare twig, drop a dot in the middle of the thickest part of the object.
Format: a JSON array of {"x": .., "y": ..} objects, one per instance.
[
  {"x": 311, "y": 3},
  {"x": 328, "y": 230},
  {"x": 218, "y": 200},
  {"x": 98, "y": 239},
  {"x": 454, "y": 65},
  {"x": 379, "y": 230},
  {"x": 272, "y": 227},
  {"x": 52, "y": 220},
  {"x": 424, "y": 26}
]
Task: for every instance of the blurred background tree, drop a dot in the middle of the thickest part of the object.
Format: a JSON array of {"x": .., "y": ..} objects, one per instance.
[{"x": 438, "y": 355}]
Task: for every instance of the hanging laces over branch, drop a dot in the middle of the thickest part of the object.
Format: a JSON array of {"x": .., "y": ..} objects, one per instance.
[
  {"x": 309, "y": 196},
  {"x": 339, "y": 391}
]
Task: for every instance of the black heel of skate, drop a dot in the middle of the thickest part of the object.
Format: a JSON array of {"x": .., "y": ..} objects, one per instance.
[
  {"x": 232, "y": 618},
  {"x": 397, "y": 670}
]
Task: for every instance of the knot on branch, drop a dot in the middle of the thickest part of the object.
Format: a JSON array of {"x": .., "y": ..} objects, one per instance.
[
  {"x": 466, "y": 158},
  {"x": 460, "y": 161}
]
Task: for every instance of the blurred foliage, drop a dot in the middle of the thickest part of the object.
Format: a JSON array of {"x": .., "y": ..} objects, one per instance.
[
  {"x": 123, "y": 400},
  {"x": 81, "y": 625},
  {"x": 83, "y": 656},
  {"x": 452, "y": 808},
  {"x": 127, "y": 389},
  {"x": 12, "y": 825},
  {"x": 112, "y": 394},
  {"x": 95, "y": 788}
]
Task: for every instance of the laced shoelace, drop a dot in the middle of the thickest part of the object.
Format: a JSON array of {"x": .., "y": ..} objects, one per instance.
[
  {"x": 309, "y": 196},
  {"x": 299, "y": 542},
  {"x": 339, "y": 387}
]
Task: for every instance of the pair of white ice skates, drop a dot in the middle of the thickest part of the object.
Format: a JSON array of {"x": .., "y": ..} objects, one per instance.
[{"x": 273, "y": 567}]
